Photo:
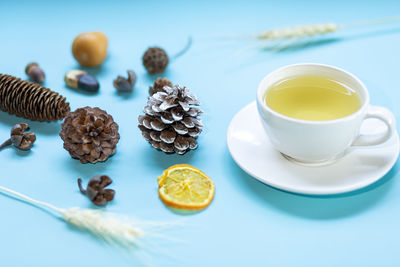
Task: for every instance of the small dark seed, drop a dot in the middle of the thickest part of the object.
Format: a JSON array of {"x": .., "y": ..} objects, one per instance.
[{"x": 88, "y": 83}]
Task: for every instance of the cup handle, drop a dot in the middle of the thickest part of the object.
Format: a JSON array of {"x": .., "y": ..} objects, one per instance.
[{"x": 384, "y": 115}]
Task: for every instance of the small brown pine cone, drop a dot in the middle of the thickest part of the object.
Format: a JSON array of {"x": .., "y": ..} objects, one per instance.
[
  {"x": 90, "y": 134},
  {"x": 155, "y": 60},
  {"x": 159, "y": 85},
  {"x": 171, "y": 122}
]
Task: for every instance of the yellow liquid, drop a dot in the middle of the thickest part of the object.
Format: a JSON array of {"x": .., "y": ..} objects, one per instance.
[{"x": 312, "y": 97}]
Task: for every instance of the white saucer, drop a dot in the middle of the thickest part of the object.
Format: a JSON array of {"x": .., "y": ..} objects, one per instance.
[{"x": 252, "y": 151}]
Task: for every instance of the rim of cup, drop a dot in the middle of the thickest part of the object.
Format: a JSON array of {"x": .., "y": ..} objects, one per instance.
[{"x": 261, "y": 92}]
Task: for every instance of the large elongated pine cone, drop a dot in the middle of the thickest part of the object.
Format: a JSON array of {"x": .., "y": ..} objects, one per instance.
[
  {"x": 31, "y": 100},
  {"x": 171, "y": 122},
  {"x": 90, "y": 134}
]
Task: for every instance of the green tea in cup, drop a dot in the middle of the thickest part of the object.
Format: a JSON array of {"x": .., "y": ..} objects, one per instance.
[{"x": 312, "y": 97}]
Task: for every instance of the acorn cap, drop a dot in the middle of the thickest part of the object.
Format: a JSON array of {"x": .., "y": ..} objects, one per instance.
[{"x": 125, "y": 85}]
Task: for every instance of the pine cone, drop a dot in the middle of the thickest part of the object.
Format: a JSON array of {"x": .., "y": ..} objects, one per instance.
[
  {"x": 31, "y": 100},
  {"x": 90, "y": 134},
  {"x": 159, "y": 85},
  {"x": 155, "y": 60},
  {"x": 171, "y": 123}
]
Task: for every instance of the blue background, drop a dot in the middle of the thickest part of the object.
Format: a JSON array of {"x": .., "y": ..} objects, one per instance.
[{"x": 248, "y": 223}]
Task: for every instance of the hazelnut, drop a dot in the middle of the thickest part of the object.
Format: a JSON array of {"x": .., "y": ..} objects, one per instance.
[{"x": 90, "y": 48}]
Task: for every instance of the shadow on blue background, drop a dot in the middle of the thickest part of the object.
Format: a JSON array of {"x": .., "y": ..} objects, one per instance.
[
  {"x": 98, "y": 71},
  {"x": 46, "y": 128},
  {"x": 88, "y": 170},
  {"x": 313, "y": 207},
  {"x": 165, "y": 161}
]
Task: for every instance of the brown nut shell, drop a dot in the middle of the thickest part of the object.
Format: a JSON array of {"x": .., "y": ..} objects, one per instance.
[
  {"x": 90, "y": 48},
  {"x": 71, "y": 78}
]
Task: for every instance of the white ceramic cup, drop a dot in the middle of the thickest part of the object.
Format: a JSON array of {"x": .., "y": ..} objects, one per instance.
[{"x": 320, "y": 142}]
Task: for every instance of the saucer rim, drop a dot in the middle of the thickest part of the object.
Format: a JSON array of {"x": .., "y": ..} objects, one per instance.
[{"x": 329, "y": 191}]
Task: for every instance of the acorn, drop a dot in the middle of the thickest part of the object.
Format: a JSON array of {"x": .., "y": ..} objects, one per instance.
[{"x": 35, "y": 73}]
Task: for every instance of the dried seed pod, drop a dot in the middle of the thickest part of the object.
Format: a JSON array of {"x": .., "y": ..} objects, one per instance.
[
  {"x": 95, "y": 190},
  {"x": 125, "y": 85},
  {"x": 19, "y": 138},
  {"x": 82, "y": 80},
  {"x": 155, "y": 60},
  {"x": 35, "y": 73},
  {"x": 159, "y": 85},
  {"x": 31, "y": 100}
]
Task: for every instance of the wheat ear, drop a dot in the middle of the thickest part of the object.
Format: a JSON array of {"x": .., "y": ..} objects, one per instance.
[
  {"x": 108, "y": 227},
  {"x": 298, "y": 31},
  {"x": 312, "y": 30}
]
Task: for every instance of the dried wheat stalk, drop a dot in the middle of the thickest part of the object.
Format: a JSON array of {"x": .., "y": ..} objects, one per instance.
[
  {"x": 299, "y": 31},
  {"x": 312, "y": 30},
  {"x": 282, "y": 38},
  {"x": 113, "y": 229}
]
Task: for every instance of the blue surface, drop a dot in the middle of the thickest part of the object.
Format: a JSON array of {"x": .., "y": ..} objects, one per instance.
[{"x": 248, "y": 223}]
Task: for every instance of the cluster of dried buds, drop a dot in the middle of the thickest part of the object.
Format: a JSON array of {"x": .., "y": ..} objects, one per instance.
[
  {"x": 19, "y": 138},
  {"x": 96, "y": 191}
]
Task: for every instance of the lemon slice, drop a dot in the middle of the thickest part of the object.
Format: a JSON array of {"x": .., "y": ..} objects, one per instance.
[{"x": 185, "y": 187}]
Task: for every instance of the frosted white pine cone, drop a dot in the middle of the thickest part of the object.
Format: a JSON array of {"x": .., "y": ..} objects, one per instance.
[{"x": 171, "y": 121}]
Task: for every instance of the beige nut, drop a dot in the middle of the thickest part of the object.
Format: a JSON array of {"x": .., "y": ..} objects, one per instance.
[
  {"x": 90, "y": 48},
  {"x": 72, "y": 77}
]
